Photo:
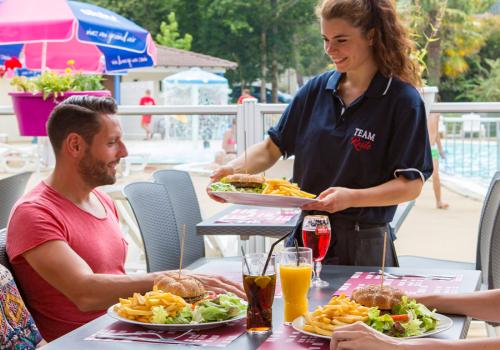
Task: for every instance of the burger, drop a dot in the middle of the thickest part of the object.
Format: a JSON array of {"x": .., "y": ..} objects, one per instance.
[
  {"x": 240, "y": 183},
  {"x": 383, "y": 297},
  {"x": 245, "y": 181},
  {"x": 186, "y": 287}
]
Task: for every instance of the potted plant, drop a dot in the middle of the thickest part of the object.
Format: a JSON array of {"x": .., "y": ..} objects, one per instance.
[{"x": 36, "y": 97}]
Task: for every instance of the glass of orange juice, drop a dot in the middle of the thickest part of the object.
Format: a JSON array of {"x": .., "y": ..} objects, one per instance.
[{"x": 295, "y": 274}]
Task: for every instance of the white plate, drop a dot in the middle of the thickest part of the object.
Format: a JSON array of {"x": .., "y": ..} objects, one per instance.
[
  {"x": 265, "y": 200},
  {"x": 173, "y": 327},
  {"x": 444, "y": 324}
]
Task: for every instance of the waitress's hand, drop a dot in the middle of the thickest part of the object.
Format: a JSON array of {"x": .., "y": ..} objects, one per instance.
[
  {"x": 218, "y": 174},
  {"x": 332, "y": 200}
]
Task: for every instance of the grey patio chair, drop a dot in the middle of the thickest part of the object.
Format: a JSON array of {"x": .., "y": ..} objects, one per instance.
[
  {"x": 488, "y": 231},
  {"x": 160, "y": 229},
  {"x": 187, "y": 212},
  {"x": 11, "y": 189}
]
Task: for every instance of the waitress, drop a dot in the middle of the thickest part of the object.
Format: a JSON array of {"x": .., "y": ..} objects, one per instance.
[{"x": 358, "y": 133}]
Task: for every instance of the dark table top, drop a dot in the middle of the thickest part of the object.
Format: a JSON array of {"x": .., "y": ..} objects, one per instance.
[
  {"x": 211, "y": 226},
  {"x": 336, "y": 275}
]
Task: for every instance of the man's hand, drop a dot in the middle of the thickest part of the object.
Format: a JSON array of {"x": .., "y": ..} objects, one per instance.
[
  {"x": 218, "y": 174},
  {"x": 332, "y": 200},
  {"x": 214, "y": 283}
]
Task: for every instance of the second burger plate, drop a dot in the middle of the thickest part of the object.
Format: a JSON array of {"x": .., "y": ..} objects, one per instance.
[{"x": 265, "y": 200}]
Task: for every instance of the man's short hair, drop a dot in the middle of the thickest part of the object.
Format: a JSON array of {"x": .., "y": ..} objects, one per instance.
[{"x": 78, "y": 114}]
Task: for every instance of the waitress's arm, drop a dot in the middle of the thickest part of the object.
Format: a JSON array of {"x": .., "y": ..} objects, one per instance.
[
  {"x": 392, "y": 192},
  {"x": 259, "y": 158}
]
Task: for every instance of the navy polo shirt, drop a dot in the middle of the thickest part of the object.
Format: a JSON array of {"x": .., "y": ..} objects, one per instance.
[{"x": 381, "y": 135}]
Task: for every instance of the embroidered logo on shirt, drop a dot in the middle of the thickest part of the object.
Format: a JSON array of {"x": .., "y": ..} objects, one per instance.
[{"x": 363, "y": 140}]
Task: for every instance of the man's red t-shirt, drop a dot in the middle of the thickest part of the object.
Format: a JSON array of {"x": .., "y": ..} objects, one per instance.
[
  {"x": 146, "y": 101},
  {"x": 44, "y": 215}
]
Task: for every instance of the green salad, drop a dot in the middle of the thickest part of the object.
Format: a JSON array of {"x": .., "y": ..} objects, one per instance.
[
  {"x": 220, "y": 308},
  {"x": 407, "y": 319}
]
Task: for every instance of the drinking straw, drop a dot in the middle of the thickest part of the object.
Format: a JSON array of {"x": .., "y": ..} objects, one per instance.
[
  {"x": 271, "y": 251},
  {"x": 383, "y": 260},
  {"x": 182, "y": 248},
  {"x": 296, "y": 249},
  {"x": 245, "y": 260}
]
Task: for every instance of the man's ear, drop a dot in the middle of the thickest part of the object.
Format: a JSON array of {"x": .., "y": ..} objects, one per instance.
[{"x": 75, "y": 145}]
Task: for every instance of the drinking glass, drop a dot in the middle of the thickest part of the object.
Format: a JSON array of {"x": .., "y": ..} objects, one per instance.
[
  {"x": 316, "y": 234},
  {"x": 295, "y": 275},
  {"x": 260, "y": 291}
]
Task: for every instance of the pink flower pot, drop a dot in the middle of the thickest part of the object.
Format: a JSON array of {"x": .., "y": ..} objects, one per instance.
[{"x": 32, "y": 111}]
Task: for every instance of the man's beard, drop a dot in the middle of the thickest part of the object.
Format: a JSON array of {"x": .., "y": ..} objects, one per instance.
[{"x": 95, "y": 172}]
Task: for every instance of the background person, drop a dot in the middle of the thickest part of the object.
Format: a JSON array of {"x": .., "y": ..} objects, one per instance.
[
  {"x": 436, "y": 151},
  {"x": 147, "y": 100},
  {"x": 245, "y": 93},
  {"x": 64, "y": 240},
  {"x": 483, "y": 305},
  {"x": 358, "y": 133}
]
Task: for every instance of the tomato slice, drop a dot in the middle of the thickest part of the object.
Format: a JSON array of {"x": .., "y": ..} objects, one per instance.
[{"x": 400, "y": 318}]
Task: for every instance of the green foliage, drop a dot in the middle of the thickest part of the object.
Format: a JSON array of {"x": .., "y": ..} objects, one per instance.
[
  {"x": 169, "y": 35},
  {"x": 51, "y": 83},
  {"x": 486, "y": 87}
]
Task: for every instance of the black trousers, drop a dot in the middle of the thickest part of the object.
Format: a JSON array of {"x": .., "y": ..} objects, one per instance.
[{"x": 353, "y": 243}]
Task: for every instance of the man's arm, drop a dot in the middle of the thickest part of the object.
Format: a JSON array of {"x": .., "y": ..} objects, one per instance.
[
  {"x": 482, "y": 305},
  {"x": 66, "y": 271}
]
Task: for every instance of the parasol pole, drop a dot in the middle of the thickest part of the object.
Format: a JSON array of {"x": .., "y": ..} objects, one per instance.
[{"x": 44, "y": 56}]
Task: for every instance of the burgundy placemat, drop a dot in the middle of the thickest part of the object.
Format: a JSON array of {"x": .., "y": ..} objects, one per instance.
[
  {"x": 268, "y": 216},
  {"x": 232, "y": 271},
  {"x": 285, "y": 337},
  {"x": 217, "y": 337},
  {"x": 411, "y": 285}
]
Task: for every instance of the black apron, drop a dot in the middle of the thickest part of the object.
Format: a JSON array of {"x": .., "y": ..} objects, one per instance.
[{"x": 353, "y": 243}]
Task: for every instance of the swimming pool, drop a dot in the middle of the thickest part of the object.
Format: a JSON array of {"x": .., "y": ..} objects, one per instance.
[{"x": 471, "y": 159}]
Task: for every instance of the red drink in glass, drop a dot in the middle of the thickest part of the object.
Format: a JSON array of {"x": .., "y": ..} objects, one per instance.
[
  {"x": 316, "y": 234},
  {"x": 318, "y": 240}
]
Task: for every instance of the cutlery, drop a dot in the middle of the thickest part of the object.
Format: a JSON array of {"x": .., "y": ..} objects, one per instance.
[
  {"x": 137, "y": 337},
  {"x": 426, "y": 276}
]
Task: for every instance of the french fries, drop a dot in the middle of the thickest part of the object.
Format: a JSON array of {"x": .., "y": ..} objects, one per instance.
[
  {"x": 138, "y": 307},
  {"x": 284, "y": 188},
  {"x": 339, "y": 312}
]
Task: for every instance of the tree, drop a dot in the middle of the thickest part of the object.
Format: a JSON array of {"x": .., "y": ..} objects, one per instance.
[{"x": 169, "y": 35}]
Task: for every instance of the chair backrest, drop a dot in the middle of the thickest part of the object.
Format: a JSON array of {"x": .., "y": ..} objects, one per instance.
[
  {"x": 4, "y": 259},
  {"x": 154, "y": 211},
  {"x": 494, "y": 278},
  {"x": 11, "y": 189},
  {"x": 181, "y": 191},
  {"x": 487, "y": 228}
]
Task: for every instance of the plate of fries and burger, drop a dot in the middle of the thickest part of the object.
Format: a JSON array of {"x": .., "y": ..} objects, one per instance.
[
  {"x": 179, "y": 303},
  {"x": 385, "y": 309},
  {"x": 257, "y": 190}
]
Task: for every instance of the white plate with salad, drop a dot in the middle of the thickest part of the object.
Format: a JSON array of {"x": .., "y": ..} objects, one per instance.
[
  {"x": 265, "y": 200},
  {"x": 444, "y": 323},
  {"x": 408, "y": 320},
  {"x": 206, "y": 314}
]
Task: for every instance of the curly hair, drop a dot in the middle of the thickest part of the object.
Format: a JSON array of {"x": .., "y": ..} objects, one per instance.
[{"x": 392, "y": 46}]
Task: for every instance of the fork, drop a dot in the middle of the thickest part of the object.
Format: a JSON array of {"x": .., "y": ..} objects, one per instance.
[
  {"x": 428, "y": 276},
  {"x": 160, "y": 340}
]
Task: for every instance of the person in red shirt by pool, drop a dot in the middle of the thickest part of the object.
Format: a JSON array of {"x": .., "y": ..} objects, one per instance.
[
  {"x": 244, "y": 95},
  {"x": 147, "y": 100}
]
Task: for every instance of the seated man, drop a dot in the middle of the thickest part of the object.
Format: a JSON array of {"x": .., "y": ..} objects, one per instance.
[
  {"x": 18, "y": 329},
  {"x": 64, "y": 240}
]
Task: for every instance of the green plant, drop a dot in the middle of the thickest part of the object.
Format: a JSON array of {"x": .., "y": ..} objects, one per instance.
[{"x": 51, "y": 83}]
